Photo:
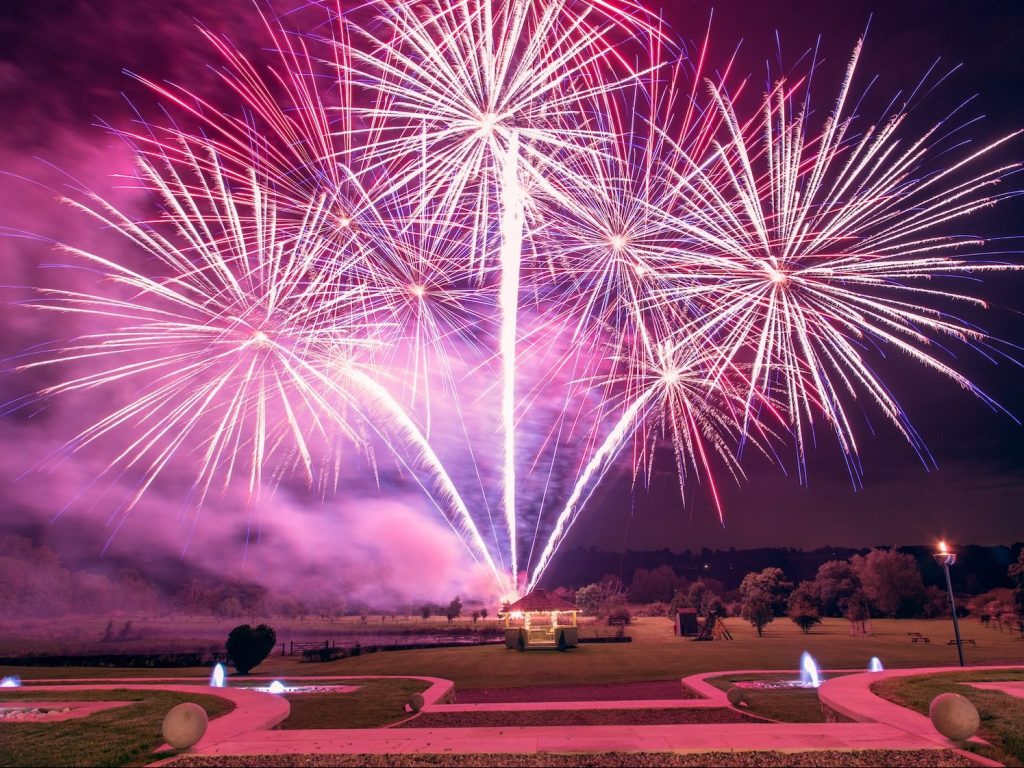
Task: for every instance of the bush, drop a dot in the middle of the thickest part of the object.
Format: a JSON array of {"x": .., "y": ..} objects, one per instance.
[
  {"x": 654, "y": 609},
  {"x": 619, "y": 614},
  {"x": 247, "y": 646},
  {"x": 324, "y": 654}
]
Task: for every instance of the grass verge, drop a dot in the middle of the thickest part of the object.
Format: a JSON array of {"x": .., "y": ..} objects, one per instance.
[
  {"x": 125, "y": 736},
  {"x": 375, "y": 704},
  {"x": 1002, "y": 716},
  {"x": 787, "y": 705}
]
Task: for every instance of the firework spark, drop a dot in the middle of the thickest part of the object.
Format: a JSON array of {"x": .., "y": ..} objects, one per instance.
[
  {"x": 821, "y": 247},
  {"x": 455, "y": 186}
]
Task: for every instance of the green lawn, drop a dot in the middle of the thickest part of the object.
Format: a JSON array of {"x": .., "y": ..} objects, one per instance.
[
  {"x": 787, "y": 705},
  {"x": 124, "y": 736},
  {"x": 376, "y": 703},
  {"x": 1002, "y": 716},
  {"x": 655, "y": 654}
]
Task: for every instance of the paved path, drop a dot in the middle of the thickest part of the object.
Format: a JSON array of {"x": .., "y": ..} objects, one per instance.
[
  {"x": 879, "y": 724},
  {"x": 795, "y": 737},
  {"x": 852, "y": 697},
  {"x": 784, "y": 737}
]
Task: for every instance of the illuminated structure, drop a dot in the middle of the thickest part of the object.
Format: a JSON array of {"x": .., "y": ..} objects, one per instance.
[{"x": 538, "y": 620}]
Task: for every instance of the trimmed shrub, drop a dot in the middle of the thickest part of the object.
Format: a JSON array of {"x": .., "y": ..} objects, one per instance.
[
  {"x": 619, "y": 614},
  {"x": 248, "y": 646}
]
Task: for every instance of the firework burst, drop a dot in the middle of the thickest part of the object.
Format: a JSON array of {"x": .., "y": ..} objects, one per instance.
[
  {"x": 490, "y": 185},
  {"x": 822, "y": 248}
]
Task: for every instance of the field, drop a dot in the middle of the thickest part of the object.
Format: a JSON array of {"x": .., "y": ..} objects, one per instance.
[
  {"x": 77, "y": 635},
  {"x": 654, "y": 654}
]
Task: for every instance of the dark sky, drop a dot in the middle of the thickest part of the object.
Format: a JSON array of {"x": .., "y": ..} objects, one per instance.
[
  {"x": 61, "y": 74},
  {"x": 977, "y": 494}
]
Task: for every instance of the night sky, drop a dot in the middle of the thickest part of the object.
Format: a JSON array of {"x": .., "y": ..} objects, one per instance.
[{"x": 62, "y": 76}]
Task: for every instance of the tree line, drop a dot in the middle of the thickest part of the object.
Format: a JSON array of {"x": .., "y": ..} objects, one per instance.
[{"x": 883, "y": 583}]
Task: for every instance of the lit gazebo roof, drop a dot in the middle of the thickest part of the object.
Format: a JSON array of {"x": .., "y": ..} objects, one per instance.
[{"x": 539, "y": 601}]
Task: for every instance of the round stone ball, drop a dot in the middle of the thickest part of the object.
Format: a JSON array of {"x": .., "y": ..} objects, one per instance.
[
  {"x": 416, "y": 702},
  {"x": 954, "y": 716},
  {"x": 185, "y": 725},
  {"x": 735, "y": 696}
]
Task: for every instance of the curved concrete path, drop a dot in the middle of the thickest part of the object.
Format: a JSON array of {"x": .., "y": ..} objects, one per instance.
[
  {"x": 851, "y": 696},
  {"x": 780, "y": 737},
  {"x": 790, "y": 737},
  {"x": 879, "y": 724}
]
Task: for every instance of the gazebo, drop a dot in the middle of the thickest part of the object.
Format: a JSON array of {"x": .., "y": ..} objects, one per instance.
[{"x": 540, "y": 620}]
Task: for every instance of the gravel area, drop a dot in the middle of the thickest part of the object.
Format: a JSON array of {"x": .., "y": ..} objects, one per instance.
[
  {"x": 655, "y": 689},
  {"x": 578, "y": 717},
  {"x": 896, "y": 759}
]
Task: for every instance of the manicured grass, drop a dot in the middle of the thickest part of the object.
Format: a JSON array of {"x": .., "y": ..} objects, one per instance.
[
  {"x": 1002, "y": 716},
  {"x": 655, "y": 654},
  {"x": 118, "y": 737},
  {"x": 787, "y": 705},
  {"x": 376, "y": 703}
]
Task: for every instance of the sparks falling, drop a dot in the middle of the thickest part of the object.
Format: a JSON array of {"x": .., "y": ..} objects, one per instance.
[{"x": 480, "y": 209}]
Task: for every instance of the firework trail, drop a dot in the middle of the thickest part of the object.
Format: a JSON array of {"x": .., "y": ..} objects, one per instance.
[
  {"x": 247, "y": 347},
  {"x": 430, "y": 187},
  {"x": 822, "y": 247},
  {"x": 468, "y": 89}
]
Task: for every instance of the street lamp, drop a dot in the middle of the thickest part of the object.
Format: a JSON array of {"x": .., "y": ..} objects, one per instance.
[{"x": 945, "y": 558}]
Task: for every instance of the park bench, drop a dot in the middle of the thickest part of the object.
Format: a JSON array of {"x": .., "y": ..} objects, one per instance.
[
  {"x": 963, "y": 641},
  {"x": 917, "y": 637}
]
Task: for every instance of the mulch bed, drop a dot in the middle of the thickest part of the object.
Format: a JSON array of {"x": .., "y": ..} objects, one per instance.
[
  {"x": 656, "y": 689},
  {"x": 896, "y": 759},
  {"x": 578, "y": 717}
]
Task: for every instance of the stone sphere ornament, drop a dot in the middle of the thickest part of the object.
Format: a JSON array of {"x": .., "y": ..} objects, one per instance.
[
  {"x": 185, "y": 725},
  {"x": 735, "y": 696},
  {"x": 416, "y": 702},
  {"x": 954, "y": 716}
]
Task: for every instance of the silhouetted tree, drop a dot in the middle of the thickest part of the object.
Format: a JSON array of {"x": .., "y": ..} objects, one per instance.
[
  {"x": 248, "y": 646},
  {"x": 769, "y": 584},
  {"x": 757, "y": 609},
  {"x": 891, "y": 581},
  {"x": 589, "y": 599},
  {"x": 763, "y": 594},
  {"x": 704, "y": 596},
  {"x": 1016, "y": 573},
  {"x": 802, "y": 609},
  {"x": 454, "y": 609},
  {"x": 649, "y": 586},
  {"x": 833, "y": 584}
]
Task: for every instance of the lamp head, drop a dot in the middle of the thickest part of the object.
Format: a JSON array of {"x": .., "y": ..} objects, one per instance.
[{"x": 944, "y": 557}]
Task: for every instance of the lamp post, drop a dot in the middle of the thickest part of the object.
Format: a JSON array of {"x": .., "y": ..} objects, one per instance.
[{"x": 945, "y": 558}]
